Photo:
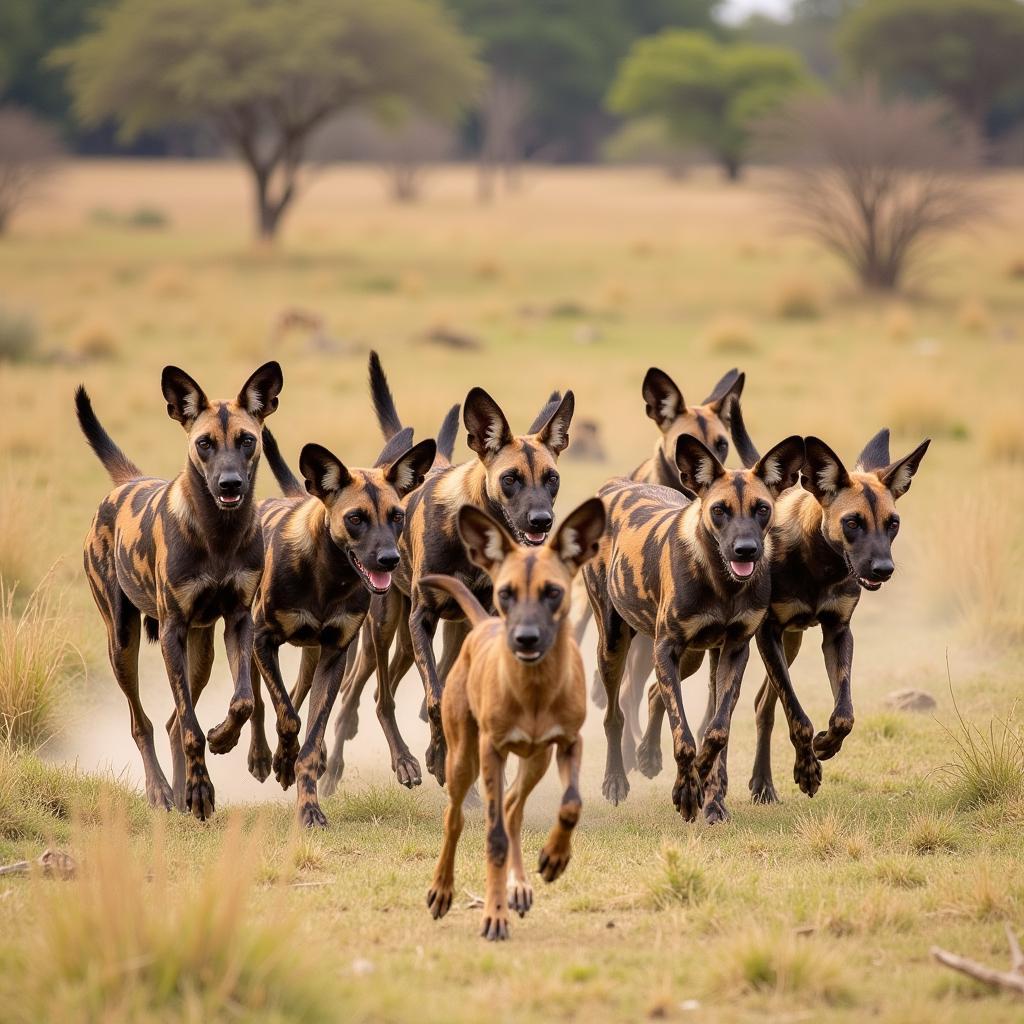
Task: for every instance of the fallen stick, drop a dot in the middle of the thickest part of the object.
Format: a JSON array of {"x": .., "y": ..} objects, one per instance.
[{"x": 1012, "y": 979}]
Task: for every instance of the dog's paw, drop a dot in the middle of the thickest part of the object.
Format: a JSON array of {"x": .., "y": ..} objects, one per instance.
[
  {"x": 310, "y": 815},
  {"x": 160, "y": 795},
  {"x": 762, "y": 790},
  {"x": 828, "y": 744},
  {"x": 329, "y": 783},
  {"x": 284, "y": 764},
  {"x": 439, "y": 900},
  {"x": 520, "y": 896},
  {"x": 715, "y": 812},
  {"x": 224, "y": 737},
  {"x": 198, "y": 792},
  {"x": 407, "y": 770},
  {"x": 648, "y": 758},
  {"x": 435, "y": 757},
  {"x": 807, "y": 771},
  {"x": 261, "y": 761},
  {"x": 615, "y": 787},
  {"x": 688, "y": 794},
  {"x": 554, "y": 859},
  {"x": 495, "y": 927}
]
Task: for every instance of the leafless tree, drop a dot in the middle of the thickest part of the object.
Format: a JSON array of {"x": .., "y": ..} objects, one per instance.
[
  {"x": 29, "y": 153},
  {"x": 872, "y": 180},
  {"x": 502, "y": 117}
]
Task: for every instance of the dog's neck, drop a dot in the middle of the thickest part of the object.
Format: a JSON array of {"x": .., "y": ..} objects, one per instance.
[
  {"x": 332, "y": 560},
  {"x": 220, "y": 531},
  {"x": 801, "y": 530}
]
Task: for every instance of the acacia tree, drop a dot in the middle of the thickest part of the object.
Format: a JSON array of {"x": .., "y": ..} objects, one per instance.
[
  {"x": 872, "y": 181},
  {"x": 969, "y": 52},
  {"x": 265, "y": 74},
  {"x": 707, "y": 92},
  {"x": 29, "y": 153}
]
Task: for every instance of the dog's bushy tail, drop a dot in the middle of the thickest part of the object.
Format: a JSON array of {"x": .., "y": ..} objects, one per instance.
[
  {"x": 471, "y": 607},
  {"x": 383, "y": 400},
  {"x": 291, "y": 486},
  {"x": 448, "y": 433},
  {"x": 116, "y": 463}
]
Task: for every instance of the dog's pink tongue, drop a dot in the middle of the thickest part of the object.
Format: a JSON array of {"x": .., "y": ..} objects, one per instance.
[
  {"x": 381, "y": 580},
  {"x": 535, "y": 538},
  {"x": 742, "y": 569}
]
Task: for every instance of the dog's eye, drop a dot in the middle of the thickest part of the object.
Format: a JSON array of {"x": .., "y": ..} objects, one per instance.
[
  {"x": 354, "y": 518},
  {"x": 552, "y": 593},
  {"x": 762, "y": 511},
  {"x": 894, "y": 524},
  {"x": 248, "y": 442},
  {"x": 506, "y": 597},
  {"x": 397, "y": 516},
  {"x": 509, "y": 481},
  {"x": 552, "y": 480},
  {"x": 722, "y": 445},
  {"x": 718, "y": 513},
  {"x": 851, "y": 525},
  {"x": 204, "y": 444}
]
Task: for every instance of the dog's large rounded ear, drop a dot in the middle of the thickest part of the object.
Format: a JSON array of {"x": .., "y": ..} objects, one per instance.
[
  {"x": 259, "y": 393},
  {"x": 487, "y": 541},
  {"x": 897, "y": 477},
  {"x": 489, "y": 431},
  {"x": 697, "y": 465},
  {"x": 876, "y": 453},
  {"x": 185, "y": 398},
  {"x": 324, "y": 472},
  {"x": 577, "y": 539},
  {"x": 824, "y": 474},
  {"x": 408, "y": 471},
  {"x": 555, "y": 433},
  {"x": 664, "y": 400},
  {"x": 726, "y": 394},
  {"x": 779, "y": 468}
]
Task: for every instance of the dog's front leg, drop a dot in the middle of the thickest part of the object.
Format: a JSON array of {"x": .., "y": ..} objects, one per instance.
[
  {"x": 422, "y": 626},
  {"x": 557, "y": 851},
  {"x": 492, "y": 772},
  {"x": 266, "y": 649},
  {"x": 326, "y": 683},
  {"x": 260, "y": 758},
  {"x": 837, "y": 646},
  {"x": 807, "y": 767},
  {"x": 199, "y": 797},
  {"x": 712, "y": 758},
  {"x": 688, "y": 791},
  {"x": 238, "y": 638}
]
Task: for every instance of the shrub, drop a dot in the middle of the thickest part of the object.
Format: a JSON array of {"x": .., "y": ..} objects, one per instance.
[
  {"x": 974, "y": 317},
  {"x": 798, "y": 299},
  {"x": 94, "y": 339},
  {"x": 148, "y": 217},
  {"x": 18, "y": 336},
  {"x": 730, "y": 335}
]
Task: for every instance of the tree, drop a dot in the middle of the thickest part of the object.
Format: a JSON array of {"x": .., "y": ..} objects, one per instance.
[
  {"x": 872, "y": 181},
  {"x": 29, "y": 152},
  {"x": 266, "y": 73},
  {"x": 707, "y": 92},
  {"x": 969, "y": 52}
]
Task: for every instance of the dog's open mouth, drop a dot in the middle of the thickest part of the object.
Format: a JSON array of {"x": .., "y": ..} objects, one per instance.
[
  {"x": 229, "y": 500},
  {"x": 527, "y": 656},
  {"x": 377, "y": 581},
  {"x": 869, "y": 584},
  {"x": 535, "y": 539},
  {"x": 742, "y": 570},
  {"x": 530, "y": 539}
]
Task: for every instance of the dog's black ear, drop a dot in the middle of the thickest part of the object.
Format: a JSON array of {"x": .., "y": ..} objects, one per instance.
[
  {"x": 555, "y": 433},
  {"x": 185, "y": 398},
  {"x": 487, "y": 541},
  {"x": 576, "y": 540},
  {"x": 698, "y": 467},
  {"x": 408, "y": 472},
  {"x": 897, "y": 477},
  {"x": 876, "y": 453},
  {"x": 824, "y": 474},
  {"x": 664, "y": 400},
  {"x": 489, "y": 431},
  {"x": 726, "y": 395},
  {"x": 259, "y": 393},
  {"x": 780, "y": 467},
  {"x": 324, "y": 473}
]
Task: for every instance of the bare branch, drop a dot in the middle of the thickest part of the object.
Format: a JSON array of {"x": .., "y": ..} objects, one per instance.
[{"x": 1012, "y": 979}]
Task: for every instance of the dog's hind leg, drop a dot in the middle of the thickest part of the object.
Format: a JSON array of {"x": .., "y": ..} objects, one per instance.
[
  {"x": 762, "y": 787},
  {"x": 453, "y": 634},
  {"x": 304, "y": 680},
  {"x": 614, "y": 638},
  {"x": 260, "y": 757},
  {"x": 837, "y": 646},
  {"x": 531, "y": 770},
  {"x": 492, "y": 773},
  {"x": 639, "y": 665},
  {"x": 238, "y": 639},
  {"x": 267, "y": 651},
  {"x": 557, "y": 851},
  {"x": 422, "y": 625},
  {"x": 200, "y": 665},
  {"x": 403, "y": 764}
]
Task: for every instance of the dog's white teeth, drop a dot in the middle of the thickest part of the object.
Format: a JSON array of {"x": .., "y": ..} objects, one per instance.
[{"x": 536, "y": 538}]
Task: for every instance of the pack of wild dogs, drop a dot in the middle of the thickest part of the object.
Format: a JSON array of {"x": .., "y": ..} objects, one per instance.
[{"x": 359, "y": 567}]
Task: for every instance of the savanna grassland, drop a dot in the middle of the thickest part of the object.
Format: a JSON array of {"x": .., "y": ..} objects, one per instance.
[{"x": 584, "y": 278}]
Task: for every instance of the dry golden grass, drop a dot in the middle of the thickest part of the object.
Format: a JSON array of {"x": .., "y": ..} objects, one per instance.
[
  {"x": 1003, "y": 440},
  {"x": 94, "y": 339},
  {"x": 798, "y": 298},
  {"x": 729, "y": 335}
]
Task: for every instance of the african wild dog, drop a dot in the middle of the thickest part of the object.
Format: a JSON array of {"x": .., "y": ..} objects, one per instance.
[
  {"x": 515, "y": 479},
  {"x": 328, "y": 552},
  {"x": 516, "y": 688},
  {"x": 831, "y": 540},
  {"x": 690, "y": 574},
  {"x": 183, "y": 554}
]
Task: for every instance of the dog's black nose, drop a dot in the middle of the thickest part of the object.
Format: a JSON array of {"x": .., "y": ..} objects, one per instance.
[
  {"x": 230, "y": 485},
  {"x": 745, "y": 550},
  {"x": 388, "y": 559},
  {"x": 539, "y": 520},
  {"x": 527, "y": 638},
  {"x": 882, "y": 569}
]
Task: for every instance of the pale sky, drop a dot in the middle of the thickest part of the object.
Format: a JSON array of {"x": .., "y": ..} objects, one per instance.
[{"x": 737, "y": 10}]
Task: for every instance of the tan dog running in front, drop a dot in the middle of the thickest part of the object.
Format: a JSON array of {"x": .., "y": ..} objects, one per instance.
[{"x": 517, "y": 688}]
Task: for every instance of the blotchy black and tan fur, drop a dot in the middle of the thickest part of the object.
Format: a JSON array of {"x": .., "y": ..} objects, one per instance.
[
  {"x": 515, "y": 479},
  {"x": 328, "y": 552},
  {"x": 183, "y": 554},
  {"x": 831, "y": 541},
  {"x": 516, "y": 688},
  {"x": 690, "y": 574}
]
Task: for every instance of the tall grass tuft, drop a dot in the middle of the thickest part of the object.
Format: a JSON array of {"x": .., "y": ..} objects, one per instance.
[
  {"x": 18, "y": 336},
  {"x": 37, "y": 661},
  {"x": 17, "y": 533},
  {"x": 681, "y": 877},
  {"x": 124, "y": 942}
]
